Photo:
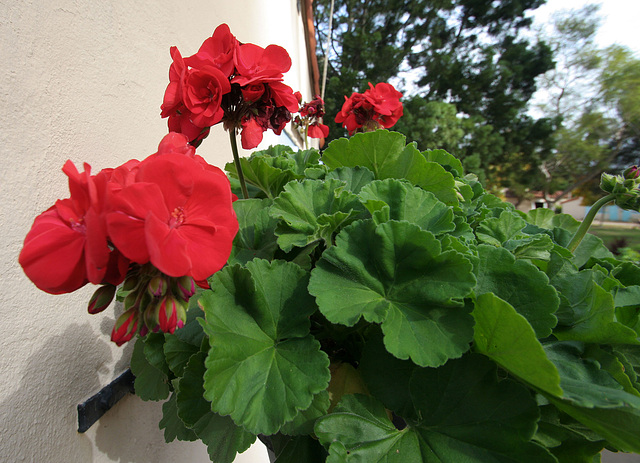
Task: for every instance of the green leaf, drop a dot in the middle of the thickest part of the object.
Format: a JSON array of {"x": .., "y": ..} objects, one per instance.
[
  {"x": 446, "y": 160},
  {"x": 184, "y": 343},
  {"x": 154, "y": 352},
  {"x": 385, "y": 154},
  {"x": 313, "y": 210},
  {"x": 174, "y": 427},
  {"x": 497, "y": 230},
  {"x": 397, "y": 274},
  {"x": 590, "y": 247},
  {"x": 537, "y": 247},
  {"x": 582, "y": 380},
  {"x": 297, "y": 449},
  {"x": 508, "y": 339},
  {"x": 260, "y": 172},
  {"x": 305, "y": 420},
  {"x": 219, "y": 433},
  {"x": 387, "y": 377},
  {"x": 263, "y": 366},
  {"x": 256, "y": 235},
  {"x": 406, "y": 202},
  {"x": 546, "y": 218},
  {"x": 587, "y": 313},
  {"x": 519, "y": 283},
  {"x": 150, "y": 383},
  {"x": 491, "y": 421},
  {"x": 627, "y": 273},
  {"x": 612, "y": 364},
  {"x": 354, "y": 177}
]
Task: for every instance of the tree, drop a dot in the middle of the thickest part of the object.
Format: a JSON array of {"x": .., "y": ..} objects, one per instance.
[
  {"x": 594, "y": 97},
  {"x": 462, "y": 64}
]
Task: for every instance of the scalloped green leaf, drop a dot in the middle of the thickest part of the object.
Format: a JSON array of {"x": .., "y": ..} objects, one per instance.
[
  {"x": 537, "y": 247},
  {"x": 184, "y": 343},
  {"x": 256, "y": 233},
  {"x": 491, "y": 421},
  {"x": 154, "y": 352},
  {"x": 305, "y": 420},
  {"x": 174, "y": 427},
  {"x": 224, "y": 440},
  {"x": 627, "y": 273},
  {"x": 508, "y": 339},
  {"x": 587, "y": 313},
  {"x": 260, "y": 171},
  {"x": 354, "y": 177},
  {"x": 387, "y": 156},
  {"x": 398, "y": 275},
  {"x": 313, "y": 210},
  {"x": 498, "y": 230},
  {"x": 150, "y": 383},
  {"x": 521, "y": 284},
  {"x": 403, "y": 201},
  {"x": 594, "y": 398},
  {"x": 448, "y": 161},
  {"x": 387, "y": 377},
  {"x": 546, "y": 218},
  {"x": 263, "y": 366}
]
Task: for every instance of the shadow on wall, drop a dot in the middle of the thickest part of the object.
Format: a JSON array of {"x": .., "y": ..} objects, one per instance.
[{"x": 42, "y": 419}]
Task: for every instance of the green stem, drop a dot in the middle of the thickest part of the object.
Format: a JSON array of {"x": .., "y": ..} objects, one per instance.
[
  {"x": 586, "y": 223},
  {"x": 236, "y": 161}
]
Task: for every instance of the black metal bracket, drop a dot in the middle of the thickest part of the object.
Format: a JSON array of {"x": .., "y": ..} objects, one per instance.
[{"x": 90, "y": 411}]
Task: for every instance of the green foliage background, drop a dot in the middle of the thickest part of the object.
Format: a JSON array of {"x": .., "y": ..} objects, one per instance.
[{"x": 381, "y": 305}]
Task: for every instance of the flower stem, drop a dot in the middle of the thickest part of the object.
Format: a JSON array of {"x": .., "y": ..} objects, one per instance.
[
  {"x": 586, "y": 223},
  {"x": 236, "y": 161}
]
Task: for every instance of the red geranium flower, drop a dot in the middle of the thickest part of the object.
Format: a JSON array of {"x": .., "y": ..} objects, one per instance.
[
  {"x": 178, "y": 215},
  {"x": 67, "y": 245},
  {"x": 377, "y": 107}
]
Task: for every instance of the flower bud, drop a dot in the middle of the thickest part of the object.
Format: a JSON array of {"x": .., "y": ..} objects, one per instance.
[
  {"x": 186, "y": 287},
  {"x": 608, "y": 182},
  {"x": 631, "y": 173},
  {"x": 151, "y": 315},
  {"x": 130, "y": 283},
  {"x": 125, "y": 327},
  {"x": 157, "y": 287},
  {"x": 101, "y": 298},
  {"x": 170, "y": 313}
]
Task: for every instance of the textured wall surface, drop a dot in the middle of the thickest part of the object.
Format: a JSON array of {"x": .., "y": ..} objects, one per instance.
[{"x": 83, "y": 80}]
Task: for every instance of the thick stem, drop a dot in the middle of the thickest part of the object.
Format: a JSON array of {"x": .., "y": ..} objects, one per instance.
[
  {"x": 586, "y": 223},
  {"x": 236, "y": 161}
]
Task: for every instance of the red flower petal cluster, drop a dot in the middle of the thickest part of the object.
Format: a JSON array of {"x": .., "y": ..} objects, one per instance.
[
  {"x": 161, "y": 223},
  {"x": 377, "y": 107},
  {"x": 310, "y": 117},
  {"x": 67, "y": 246},
  {"x": 226, "y": 81}
]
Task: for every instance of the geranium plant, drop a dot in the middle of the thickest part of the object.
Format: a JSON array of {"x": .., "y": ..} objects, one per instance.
[{"x": 370, "y": 303}]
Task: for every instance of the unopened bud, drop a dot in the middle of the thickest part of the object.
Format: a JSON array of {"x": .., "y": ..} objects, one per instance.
[
  {"x": 101, "y": 298},
  {"x": 631, "y": 173},
  {"x": 125, "y": 327},
  {"x": 171, "y": 311},
  {"x": 186, "y": 287},
  {"x": 608, "y": 182},
  {"x": 157, "y": 287}
]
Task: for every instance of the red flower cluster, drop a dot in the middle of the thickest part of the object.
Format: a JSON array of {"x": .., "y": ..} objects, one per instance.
[
  {"x": 310, "y": 116},
  {"x": 172, "y": 211},
  {"x": 230, "y": 82},
  {"x": 377, "y": 107}
]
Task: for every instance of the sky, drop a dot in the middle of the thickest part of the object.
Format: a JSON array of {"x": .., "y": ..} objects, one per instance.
[{"x": 620, "y": 20}]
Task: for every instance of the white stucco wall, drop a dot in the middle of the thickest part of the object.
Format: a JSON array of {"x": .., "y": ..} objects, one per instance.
[{"x": 83, "y": 80}]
